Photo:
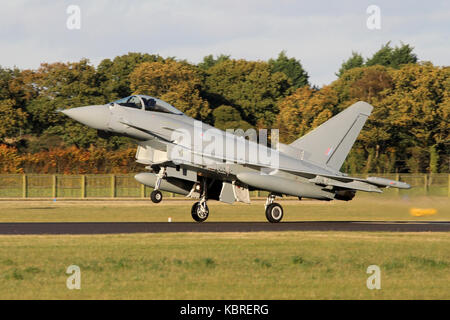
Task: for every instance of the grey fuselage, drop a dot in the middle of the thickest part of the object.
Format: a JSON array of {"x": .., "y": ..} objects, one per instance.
[
  {"x": 160, "y": 131},
  {"x": 309, "y": 167}
]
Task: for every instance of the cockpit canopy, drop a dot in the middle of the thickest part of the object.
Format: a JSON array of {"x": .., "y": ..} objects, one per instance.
[{"x": 147, "y": 103}]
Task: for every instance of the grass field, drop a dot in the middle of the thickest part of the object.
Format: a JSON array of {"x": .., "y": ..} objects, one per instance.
[
  {"x": 290, "y": 265},
  {"x": 179, "y": 210},
  {"x": 298, "y": 265}
]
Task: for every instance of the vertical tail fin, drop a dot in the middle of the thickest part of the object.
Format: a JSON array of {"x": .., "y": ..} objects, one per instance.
[{"x": 329, "y": 144}]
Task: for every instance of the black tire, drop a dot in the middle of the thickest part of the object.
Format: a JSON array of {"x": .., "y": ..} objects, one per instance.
[
  {"x": 274, "y": 212},
  {"x": 196, "y": 213},
  {"x": 156, "y": 196}
]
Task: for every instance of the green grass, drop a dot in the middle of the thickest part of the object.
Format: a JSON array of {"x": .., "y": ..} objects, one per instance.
[
  {"x": 293, "y": 265},
  {"x": 361, "y": 208}
]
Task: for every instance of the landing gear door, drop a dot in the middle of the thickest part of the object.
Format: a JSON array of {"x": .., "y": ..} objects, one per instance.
[
  {"x": 227, "y": 193},
  {"x": 241, "y": 192}
]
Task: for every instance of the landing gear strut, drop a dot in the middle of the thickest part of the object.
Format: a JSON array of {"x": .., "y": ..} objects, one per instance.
[
  {"x": 156, "y": 195},
  {"x": 200, "y": 210},
  {"x": 274, "y": 211}
]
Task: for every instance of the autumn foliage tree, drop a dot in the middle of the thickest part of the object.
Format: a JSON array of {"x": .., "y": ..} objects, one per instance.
[
  {"x": 304, "y": 110},
  {"x": 174, "y": 82},
  {"x": 71, "y": 160},
  {"x": 14, "y": 94},
  {"x": 227, "y": 117},
  {"x": 13, "y": 119},
  {"x": 114, "y": 75},
  {"x": 249, "y": 86},
  {"x": 408, "y": 130}
]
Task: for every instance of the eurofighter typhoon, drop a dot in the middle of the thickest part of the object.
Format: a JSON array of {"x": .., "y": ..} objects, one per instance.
[{"x": 188, "y": 157}]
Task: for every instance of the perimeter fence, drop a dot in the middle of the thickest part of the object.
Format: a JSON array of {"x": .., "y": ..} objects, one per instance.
[{"x": 91, "y": 186}]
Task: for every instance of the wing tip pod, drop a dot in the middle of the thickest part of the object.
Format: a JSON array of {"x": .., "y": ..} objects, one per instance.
[{"x": 389, "y": 183}]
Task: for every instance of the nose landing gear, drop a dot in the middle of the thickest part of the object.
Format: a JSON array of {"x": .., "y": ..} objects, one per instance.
[{"x": 156, "y": 195}]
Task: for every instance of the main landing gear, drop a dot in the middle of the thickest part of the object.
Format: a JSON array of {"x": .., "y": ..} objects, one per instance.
[
  {"x": 274, "y": 211},
  {"x": 156, "y": 195},
  {"x": 200, "y": 210}
]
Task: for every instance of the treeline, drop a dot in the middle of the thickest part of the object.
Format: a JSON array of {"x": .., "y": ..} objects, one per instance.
[
  {"x": 68, "y": 160},
  {"x": 407, "y": 132}
]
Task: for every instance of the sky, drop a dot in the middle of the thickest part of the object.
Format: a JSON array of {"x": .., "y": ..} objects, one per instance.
[{"x": 321, "y": 34}]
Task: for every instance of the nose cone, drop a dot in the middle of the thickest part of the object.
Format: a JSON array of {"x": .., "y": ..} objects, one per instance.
[{"x": 96, "y": 117}]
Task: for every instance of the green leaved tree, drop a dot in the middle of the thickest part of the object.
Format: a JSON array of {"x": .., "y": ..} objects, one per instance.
[{"x": 292, "y": 68}]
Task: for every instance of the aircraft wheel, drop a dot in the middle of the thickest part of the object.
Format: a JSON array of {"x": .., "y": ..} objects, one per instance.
[
  {"x": 274, "y": 212},
  {"x": 198, "y": 213},
  {"x": 156, "y": 196}
]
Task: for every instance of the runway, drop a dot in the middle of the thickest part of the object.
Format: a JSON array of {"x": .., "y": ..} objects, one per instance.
[{"x": 36, "y": 228}]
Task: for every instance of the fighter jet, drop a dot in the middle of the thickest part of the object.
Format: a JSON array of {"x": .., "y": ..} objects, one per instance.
[{"x": 188, "y": 157}]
